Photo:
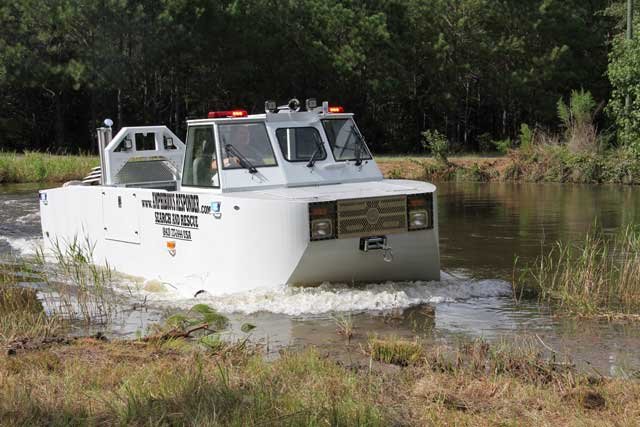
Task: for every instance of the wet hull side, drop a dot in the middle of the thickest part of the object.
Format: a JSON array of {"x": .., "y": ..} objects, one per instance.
[{"x": 177, "y": 238}]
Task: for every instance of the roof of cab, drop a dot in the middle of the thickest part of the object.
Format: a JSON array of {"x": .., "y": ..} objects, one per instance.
[{"x": 283, "y": 116}]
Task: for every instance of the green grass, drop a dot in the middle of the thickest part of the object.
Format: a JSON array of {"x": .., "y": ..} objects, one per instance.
[
  {"x": 598, "y": 277},
  {"x": 21, "y": 312},
  {"x": 43, "y": 167},
  {"x": 395, "y": 351}
]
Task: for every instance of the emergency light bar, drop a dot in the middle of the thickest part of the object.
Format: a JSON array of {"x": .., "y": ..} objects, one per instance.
[
  {"x": 229, "y": 113},
  {"x": 336, "y": 110}
]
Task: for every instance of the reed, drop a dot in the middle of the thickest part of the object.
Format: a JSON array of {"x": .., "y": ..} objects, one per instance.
[
  {"x": 600, "y": 276},
  {"x": 344, "y": 326},
  {"x": 43, "y": 167},
  {"x": 77, "y": 288}
]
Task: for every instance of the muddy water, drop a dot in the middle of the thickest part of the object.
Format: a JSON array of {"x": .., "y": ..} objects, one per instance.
[{"x": 483, "y": 228}]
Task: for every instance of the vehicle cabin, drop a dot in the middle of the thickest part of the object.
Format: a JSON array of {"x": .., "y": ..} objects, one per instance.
[
  {"x": 284, "y": 147},
  {"x": 229, "y": 151}
]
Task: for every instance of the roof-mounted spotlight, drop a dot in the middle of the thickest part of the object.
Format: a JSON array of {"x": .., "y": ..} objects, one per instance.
[
  {"x": 108, "y": 122},
  {"x": 311, "y": 103},
  {"x": 270, "y": 107},
  {"x": 294, "y": 104}
]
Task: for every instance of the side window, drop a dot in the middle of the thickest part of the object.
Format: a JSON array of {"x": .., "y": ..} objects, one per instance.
[
  {"x": 200, "y": 161},
  {"x": 345, "y": 140},
  {"x": 145, "y": 141},
  {"x": 300, "y": 144},
  {"x": 247, "y": 141}
]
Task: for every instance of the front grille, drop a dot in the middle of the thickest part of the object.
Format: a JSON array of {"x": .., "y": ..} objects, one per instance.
[{"x": 372, "y": 217}]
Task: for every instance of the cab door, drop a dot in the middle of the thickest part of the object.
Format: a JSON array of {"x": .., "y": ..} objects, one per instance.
[{"x": 201, "y": 166}]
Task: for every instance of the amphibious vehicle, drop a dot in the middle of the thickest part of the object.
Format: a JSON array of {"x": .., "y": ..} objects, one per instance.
[{"x": 290, "y": 196}]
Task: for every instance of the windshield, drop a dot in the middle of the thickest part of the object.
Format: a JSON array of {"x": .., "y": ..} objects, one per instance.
[
  {"x": 345, "y": 140},
  {"x": 299, "y": 144},
  {"x": 249, "y": 142}
]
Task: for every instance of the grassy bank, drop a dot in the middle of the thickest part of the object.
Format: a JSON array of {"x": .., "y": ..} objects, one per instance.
[
  {"x": 539, "y": 163},
  {"x": 177, "y": 382},
  {"x": 43, "y": 167}
]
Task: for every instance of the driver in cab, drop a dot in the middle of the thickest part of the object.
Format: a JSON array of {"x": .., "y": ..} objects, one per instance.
[{"x": 242, "y": 147}]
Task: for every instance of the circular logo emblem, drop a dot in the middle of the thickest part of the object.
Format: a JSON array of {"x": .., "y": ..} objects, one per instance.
[{"x": 373, "y": 215}]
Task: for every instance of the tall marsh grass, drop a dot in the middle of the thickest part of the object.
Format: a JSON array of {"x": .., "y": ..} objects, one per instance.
[
  {"x": 43, "y": 167},
  {"x": 21, "y": 312},
  {"x": 77, "y": 287},
  {"x": 599, "y": 276}
]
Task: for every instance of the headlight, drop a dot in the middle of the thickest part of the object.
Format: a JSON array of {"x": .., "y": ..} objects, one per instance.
[
  {"x": 418, "y": 220},
  {"x": 322, "y": 219},
  {"x": 321, "y": 229},
  {"x": 420, "y": 211}
]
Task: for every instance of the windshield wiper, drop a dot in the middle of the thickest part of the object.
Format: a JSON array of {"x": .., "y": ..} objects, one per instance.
[
  {"x": 244, "y": 162},
  {"x": 312, "y": 160},
  {"x": 358, "y": 148}
]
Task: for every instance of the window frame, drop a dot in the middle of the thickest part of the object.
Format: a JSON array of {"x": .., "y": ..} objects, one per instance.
[
  {"x": 223, "y": 150},
  {"x": 364, "y": 143},
  {"x": 324, "y": 150},
  {"x": 215, "y": 141}
]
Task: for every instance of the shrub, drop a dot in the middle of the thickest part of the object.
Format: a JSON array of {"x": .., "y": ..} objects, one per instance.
[
  {"x": 438, "y": 145},
  {"x": 526, "y": 137},
  {"x": 577, "y": 120},
  {"x": 503, "y": 146},
  {"x": 396, "y": 173},
  {"x": 624, "y": 75},
  {"x": 474, "y": 173}
]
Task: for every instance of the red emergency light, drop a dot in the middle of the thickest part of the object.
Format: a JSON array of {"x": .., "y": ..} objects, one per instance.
[
  {"x": 225, "y": 114},
  {"x": 336, "y": 110}
]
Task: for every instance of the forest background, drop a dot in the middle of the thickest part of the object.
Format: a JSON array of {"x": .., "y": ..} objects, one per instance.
[{"x": 475, "y": 71}]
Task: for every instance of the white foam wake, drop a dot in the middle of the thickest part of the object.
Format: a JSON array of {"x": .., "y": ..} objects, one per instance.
[
  {"x": 29, "y": 218},
  {"x": 328, "y": 298},
  {"x": 23, "y": 246}
]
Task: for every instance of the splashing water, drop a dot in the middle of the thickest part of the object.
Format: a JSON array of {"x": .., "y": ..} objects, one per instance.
[{"x": 330, "y": 298}]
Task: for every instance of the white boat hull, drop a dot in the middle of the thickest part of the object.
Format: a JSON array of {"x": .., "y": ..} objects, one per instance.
[{"x": 256, "y": 240}]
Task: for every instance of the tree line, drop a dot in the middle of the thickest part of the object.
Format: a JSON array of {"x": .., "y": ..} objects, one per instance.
[{"x": 474, "y": 70}]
